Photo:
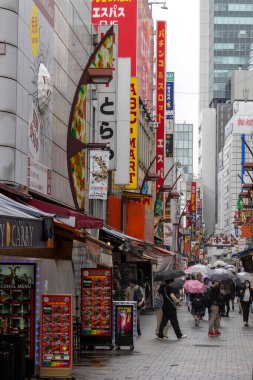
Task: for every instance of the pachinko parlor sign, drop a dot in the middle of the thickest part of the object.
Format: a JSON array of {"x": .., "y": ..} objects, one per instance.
[{"x": 21, "y": 233}]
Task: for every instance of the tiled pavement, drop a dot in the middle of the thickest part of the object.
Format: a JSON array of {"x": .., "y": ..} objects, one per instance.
[{"x": 228, "y": 357}]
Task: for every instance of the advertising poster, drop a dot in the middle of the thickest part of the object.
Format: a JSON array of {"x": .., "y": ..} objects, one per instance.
[
  {"x": 167, "y": 233},
  {"x": 124, "y": 321},
  {"x": 246, "y": 223},
  {"x": 96, "y": 308},
  {"x": 187, "y": 244},
  {"x": 17, "y": 301},
  {"x": 56, "y": 331},
  {"x": 99, "y": 165},
  {"x": 40, "y": 102},
  {"x": 160, "y": 99}
]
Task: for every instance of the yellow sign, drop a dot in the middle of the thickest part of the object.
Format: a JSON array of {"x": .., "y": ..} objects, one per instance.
[
  {"x": 34, "y": 31},
  {"x": 134, "y": 101}
]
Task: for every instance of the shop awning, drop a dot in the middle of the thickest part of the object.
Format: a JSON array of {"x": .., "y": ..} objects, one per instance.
[{"x": 80, "y": 220}]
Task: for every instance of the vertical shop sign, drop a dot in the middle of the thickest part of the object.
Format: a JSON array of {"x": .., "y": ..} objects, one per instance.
[
  {"x": 160, "y": 99},
  {"x": 56, "y": 332},
  {"x": 107, "y": 103},
  {"x": 17, "y": 302},
  {"x": 169, "y": 113},
  {"x": 193, "y": 210},
  {"x": 134, "y": 101},
  {"x": 96, "y": 308}
]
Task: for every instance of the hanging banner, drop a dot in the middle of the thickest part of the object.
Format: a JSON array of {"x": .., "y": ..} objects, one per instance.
[
  {"x": 160, "y": 99},
  {"x": 99, "y": 164},
  {"x": 134, "y": 101},
  {"x": 169, "y": 121},
  {"x": 187, "y": 244},
  {"x": 193, "y": 210},
  {"x": 246, "y": 220},
  {"x": 167, "y": 233}
]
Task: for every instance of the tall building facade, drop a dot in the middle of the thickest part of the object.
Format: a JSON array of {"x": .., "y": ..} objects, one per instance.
[
  {"x": 226, "y": 32},
  {"x": 183, "y": 151}
]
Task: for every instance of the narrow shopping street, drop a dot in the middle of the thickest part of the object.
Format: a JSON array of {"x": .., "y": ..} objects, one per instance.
[{"x": 228, "y": 357}]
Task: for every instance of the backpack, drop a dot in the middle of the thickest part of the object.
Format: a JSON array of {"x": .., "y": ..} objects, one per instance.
[
  {"x": 138, "y": 297},
  {"x": 208, "y": 298},
  {"x": 158, "y": 301},
  {"x": 197, "y": 302}
]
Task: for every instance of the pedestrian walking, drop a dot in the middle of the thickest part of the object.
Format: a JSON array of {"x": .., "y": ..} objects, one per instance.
[
  {"x": 158, "y": 304},
  {"x": 246, "y": 296},
  {"x": 169, "y": 309},
  {"x": 197, "y": 307},
  {"x": 227, "y": 298},
  {"x": 214, "y": 321},
  {"x": 136, "y": 293}
]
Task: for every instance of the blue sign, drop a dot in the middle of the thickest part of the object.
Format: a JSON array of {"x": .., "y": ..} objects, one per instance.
[{"x": 169, "y": 100}]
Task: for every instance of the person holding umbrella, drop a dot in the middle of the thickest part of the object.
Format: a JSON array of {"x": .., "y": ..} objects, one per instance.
[
  {"x": 214, "y": 321},
  {"x": 170, "y": 310}
]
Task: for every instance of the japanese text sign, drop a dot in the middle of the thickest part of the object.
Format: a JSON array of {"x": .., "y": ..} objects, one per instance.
[
  {"x": 134, "y": 100},
  {"x": 160, "y": 99}
]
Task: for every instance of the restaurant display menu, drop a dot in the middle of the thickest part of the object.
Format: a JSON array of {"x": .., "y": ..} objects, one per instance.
[
  {"x": 96, "y": 302},
  {"x": 17, "y": 301},
  {"x": 56, "y": 331}
]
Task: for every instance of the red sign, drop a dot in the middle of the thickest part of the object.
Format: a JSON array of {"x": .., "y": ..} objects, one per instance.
[
  {"x": 160, "y": 98},
  {"x": 241, "y": 121},
  {"x": 56, "y": 331},
  {"x": 246, "y": 220},
  {"x": 96, "y": 301},
  {"x": 193, "y": 197},
  {"x": 124, "y": 14}
]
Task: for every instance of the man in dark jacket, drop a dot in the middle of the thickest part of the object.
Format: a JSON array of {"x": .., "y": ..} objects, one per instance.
[{"x": 169, "y": 310}]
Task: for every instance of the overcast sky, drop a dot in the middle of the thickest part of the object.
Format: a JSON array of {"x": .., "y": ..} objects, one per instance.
[{"x": 182, "y": 19}]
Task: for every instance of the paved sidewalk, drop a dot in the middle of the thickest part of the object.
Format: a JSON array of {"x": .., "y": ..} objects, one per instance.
[{"x": 228, "y": 357}]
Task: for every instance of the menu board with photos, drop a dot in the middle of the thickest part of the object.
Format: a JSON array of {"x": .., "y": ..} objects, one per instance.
[
  {"x": 17, "y": 301},
  {"x": 56, "y": 331},
  {"x": 96, "y": 302}
]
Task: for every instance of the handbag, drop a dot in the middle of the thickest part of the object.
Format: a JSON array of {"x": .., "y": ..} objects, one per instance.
[
  {"x": 138, "y": 297},
  {"x": 158, "y": 301}
]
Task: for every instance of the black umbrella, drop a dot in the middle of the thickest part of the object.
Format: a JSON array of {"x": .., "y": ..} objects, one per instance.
[
  {"x": 169, "y": 274},
  {"x": 178, "y": 283},
  {"x": 220, "y": 277}
]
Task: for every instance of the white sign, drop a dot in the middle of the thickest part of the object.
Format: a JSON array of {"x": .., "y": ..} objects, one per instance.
[
  {"x": 39, "y": 177},
  {"x": 107, "y": 104},
  {"x": 167, "y": 235},
  {"x": 239, "y": 124},
  {"x": 99, "y": 164},
  {"x": 242, "y": 108}
]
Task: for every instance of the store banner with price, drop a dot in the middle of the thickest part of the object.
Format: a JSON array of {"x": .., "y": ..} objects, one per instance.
[{"x": 56, "y": 334}]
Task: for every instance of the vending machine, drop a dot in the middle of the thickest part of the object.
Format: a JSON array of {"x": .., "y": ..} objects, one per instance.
[{"x": 96, "y": 307}]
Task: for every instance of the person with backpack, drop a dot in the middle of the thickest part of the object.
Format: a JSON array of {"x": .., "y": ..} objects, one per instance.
[
  {"x": 169, "y": 309},
  {"x": 136, "y": 293},
  {"x": 197, "y": 307},
  {"x": 214, "y": 308}
]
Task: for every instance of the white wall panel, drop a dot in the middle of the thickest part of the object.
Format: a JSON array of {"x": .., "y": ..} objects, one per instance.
[
  {"x": 7, "y": 18},
  {"x": 8, "y": 95},
  {"x": 7, "y": 119},
  {"x": 7, "y": 159}
]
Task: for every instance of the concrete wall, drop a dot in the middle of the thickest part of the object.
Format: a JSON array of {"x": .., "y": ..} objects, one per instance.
[
  {"x": 241, "y": 80},
  {"x": 204, "y": 55}
]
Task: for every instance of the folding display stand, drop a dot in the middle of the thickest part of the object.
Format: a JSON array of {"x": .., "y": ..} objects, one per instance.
[{"x": 124, "y": 323}]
